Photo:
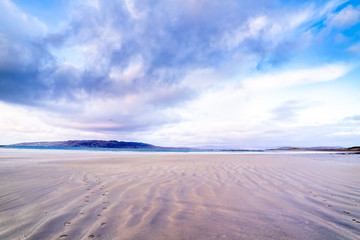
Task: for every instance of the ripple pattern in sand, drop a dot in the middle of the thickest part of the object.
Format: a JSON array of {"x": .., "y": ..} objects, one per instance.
[{"x": 182, "y": 196}]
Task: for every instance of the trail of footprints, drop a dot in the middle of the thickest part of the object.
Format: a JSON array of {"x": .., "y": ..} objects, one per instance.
[
  {"x": 330, "y": 206},
  {"x": 91, "y": 188},
  {"x": 98, "y": 186}
]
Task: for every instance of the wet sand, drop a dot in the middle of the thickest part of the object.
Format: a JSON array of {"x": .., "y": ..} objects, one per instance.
[{"x": 114, "y": 195}]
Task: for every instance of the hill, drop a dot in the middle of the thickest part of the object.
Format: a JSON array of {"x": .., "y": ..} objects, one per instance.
[{"x": 89, "y": 144}]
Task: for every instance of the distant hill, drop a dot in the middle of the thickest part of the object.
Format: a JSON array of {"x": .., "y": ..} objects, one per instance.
[
  {"x": 89, "y": 144},
  {"x": 325, "y": 148},
  {"x": 140, "y": 145},
  {"x": 355, "y": 148}
]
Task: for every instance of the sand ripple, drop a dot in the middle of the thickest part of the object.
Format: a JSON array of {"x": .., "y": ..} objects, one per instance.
[{"x": 179, "y": 196}]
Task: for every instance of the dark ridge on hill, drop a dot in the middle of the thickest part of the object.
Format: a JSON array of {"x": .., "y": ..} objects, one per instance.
[
  {"x": 355, "y": 148},
  {"x": 310, "y": 148},
  {"x": 88, "y": 144},
  {"x": 326, "y": 148}
]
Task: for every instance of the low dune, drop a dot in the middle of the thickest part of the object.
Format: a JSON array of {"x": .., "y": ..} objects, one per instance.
[{"x": 117, "y": 195}]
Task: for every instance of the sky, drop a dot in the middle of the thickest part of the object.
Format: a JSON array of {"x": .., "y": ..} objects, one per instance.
[{"x": 234, "y": 74}]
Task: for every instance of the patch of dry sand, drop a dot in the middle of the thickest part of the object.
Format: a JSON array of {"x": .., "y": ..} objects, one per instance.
[{"x": 114, "y": 195}]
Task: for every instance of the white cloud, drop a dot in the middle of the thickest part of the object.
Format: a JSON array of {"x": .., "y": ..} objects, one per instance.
[
  {"x": 134, "y": 12},
  {"x": 296, "y": 19},
  {"x": 134, "y": 70},
  {"x": 37, "y": 127},
  {"x": 251, "y": 29},
  {"x": 255, "y": 25},
  {"x": 272, "y": 37},
  {"x": 347, "y": 17},
  {"x": 93, "y": 3},
  {"x": 200, "y": 78},
  {"x": 229, "y": 115},
  {"x": 354, "y": 48},
  {"x": 330, "y": 6},
  {"x": 297, "y": 77},
  {"x": 16, "y": 23}
]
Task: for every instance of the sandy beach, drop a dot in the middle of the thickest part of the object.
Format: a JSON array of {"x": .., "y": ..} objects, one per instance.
[{"x": 117, "y": 195}]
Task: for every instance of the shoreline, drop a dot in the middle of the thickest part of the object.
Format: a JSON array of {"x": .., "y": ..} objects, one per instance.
[{"x": 184, "y": 150}]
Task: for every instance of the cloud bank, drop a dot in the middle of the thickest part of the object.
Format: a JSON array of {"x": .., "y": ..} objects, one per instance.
[{"x": 127, "y": 68}]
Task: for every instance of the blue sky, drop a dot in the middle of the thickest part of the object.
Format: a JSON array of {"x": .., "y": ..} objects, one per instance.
[{"x": 248, "y": 74}]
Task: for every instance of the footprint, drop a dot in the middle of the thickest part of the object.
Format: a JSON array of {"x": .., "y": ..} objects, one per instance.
[
  {"x": 91, "y": 236},
  {"x": 104, "y": 207},
  {"x": 67, "y": 223},
  {"x": 63, "y": 236},
  {"x": 354, "y": 220},
  {"x": 347, "y": 212},
  {"x": 99, "y": 215},
  {"x": 102, "y": 224}
]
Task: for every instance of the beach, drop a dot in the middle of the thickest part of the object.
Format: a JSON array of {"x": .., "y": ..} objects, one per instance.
[{"x": 55, "y": 194}]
